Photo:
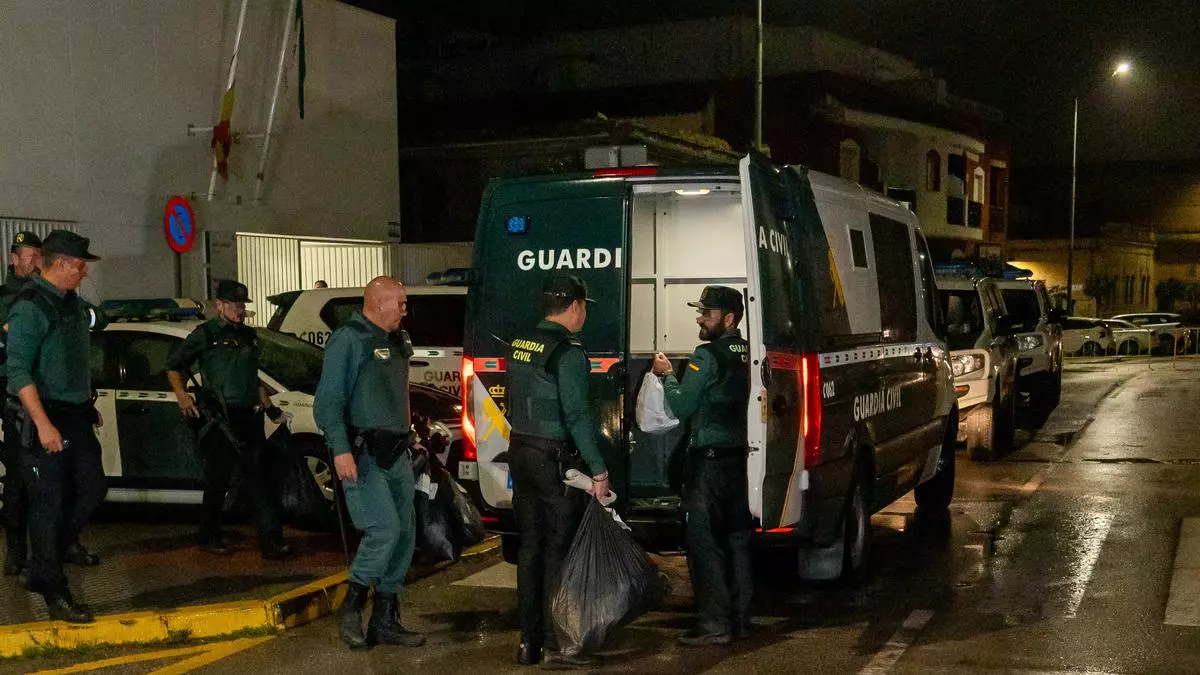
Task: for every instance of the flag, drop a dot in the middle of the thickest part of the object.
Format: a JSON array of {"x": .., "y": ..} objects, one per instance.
[
  {"x": 222, "y": 138},
  {"x": 301, "y": 65}
]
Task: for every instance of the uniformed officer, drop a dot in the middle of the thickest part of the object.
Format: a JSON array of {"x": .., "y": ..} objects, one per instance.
[
  {"x": 552, "y": 431},
  {"x": 48, "y": 349},
  {"x": 24, "y": 260},
  {"x": 231, "y": 412},
  {"x": 714, "y": 394},
  {"x": 362, "y": 408}
]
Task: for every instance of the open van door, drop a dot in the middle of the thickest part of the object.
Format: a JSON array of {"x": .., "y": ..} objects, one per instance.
[{"x": 784, "y": 415}]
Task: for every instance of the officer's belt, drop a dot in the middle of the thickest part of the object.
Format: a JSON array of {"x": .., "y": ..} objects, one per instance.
[
  {"x": 719, "y": 452},
  {"x": 385, "y": 445},
  {"x": 548, "y": 445},
  {"x": 66, "y": 407}
]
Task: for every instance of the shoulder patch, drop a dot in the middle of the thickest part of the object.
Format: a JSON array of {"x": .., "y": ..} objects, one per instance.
[{"x": 692, "y": 365}]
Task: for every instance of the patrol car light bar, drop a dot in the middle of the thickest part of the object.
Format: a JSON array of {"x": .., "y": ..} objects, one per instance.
[
  {"x": 454, "y": 276},
  {"x": 152, "y": 309},
  {"x": 973, "y": 269}
]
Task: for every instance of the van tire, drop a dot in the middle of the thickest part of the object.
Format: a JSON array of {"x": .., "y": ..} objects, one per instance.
[
  {"x": 934, "y": 495},
  {"x": 510, "y": 548},
  {"x": 990, "y": 429},
  {"x": 856, "y": 534}
]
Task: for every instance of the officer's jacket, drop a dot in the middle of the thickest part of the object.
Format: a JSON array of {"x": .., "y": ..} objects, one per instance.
[
  {"x": 228, "y": 354},
  {"x": 12, "y": 287},
  {"x": 48, "y": 344},
  {"x": 714, "y": 392},
  {"x": 364, "y": 382},
  {"x": 548, "y": 390}
]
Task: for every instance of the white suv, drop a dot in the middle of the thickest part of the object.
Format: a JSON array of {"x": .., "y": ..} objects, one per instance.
[
  {"x": 434, "y": 323},
  {"x": 983, "y": 356},
  {"x": 1039, "y": 337}
]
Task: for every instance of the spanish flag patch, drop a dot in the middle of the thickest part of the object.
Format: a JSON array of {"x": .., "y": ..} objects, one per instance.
[{"x": 693, "y": 366}]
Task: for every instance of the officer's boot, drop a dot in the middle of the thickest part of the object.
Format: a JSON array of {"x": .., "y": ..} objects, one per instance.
[
  {"x": 384, "y": 629},
  {"x": 352, "y": 617}
]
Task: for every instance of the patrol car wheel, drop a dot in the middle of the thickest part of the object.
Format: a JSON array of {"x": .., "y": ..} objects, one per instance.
[
  {"x": 934, "y": 495},
  {"x": 317, "y": 507},
  {"x": 990, "y": 429}
]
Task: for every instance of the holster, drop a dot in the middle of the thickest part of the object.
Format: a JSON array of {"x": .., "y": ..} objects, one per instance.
[
  {"x": 21, "y": 420},
  {"x": 384, "y": 445},
  {"x": 212, "y": 418}
]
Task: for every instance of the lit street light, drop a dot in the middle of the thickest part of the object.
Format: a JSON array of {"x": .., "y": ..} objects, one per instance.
[{"x": 1123, "y": 68}]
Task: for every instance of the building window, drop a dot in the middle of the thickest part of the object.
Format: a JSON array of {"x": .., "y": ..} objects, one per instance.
[
  {"x": 978, "y": 186},
  {"x": 849, "y": 156},
  {"x": 933, "y": 171}
]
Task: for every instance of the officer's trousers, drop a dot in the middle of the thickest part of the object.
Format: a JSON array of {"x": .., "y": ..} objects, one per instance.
[
  {"x": 380, "y": 503},
  {"x": 221, "y": 457},
  {"x": 548, "y": 514},
  {"x": 64, "y": 490},
  {"x": 16, "y": 503},
  {"x": 718, "y": 541}
]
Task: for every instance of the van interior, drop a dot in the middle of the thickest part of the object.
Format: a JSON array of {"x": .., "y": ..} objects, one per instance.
[{"x": 683, "y": 237}]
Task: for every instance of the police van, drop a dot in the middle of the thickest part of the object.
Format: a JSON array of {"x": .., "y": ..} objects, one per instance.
[
  {"x": 852, "y": 402},
  {"x": 434, "y": 323}
]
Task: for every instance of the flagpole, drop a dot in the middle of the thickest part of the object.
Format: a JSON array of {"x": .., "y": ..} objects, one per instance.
[
  {"x": 237, "y": 45},
  {"x": 288, "y": 20}
]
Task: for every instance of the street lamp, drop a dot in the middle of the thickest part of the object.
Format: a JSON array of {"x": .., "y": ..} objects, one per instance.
[{"x": 1123, "y": 68}]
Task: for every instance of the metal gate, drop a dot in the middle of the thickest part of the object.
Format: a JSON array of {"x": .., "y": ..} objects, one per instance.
[{"x": 271, "y": 264}]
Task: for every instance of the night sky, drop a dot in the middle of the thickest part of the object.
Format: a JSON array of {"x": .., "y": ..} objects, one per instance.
[{"x": 1027, "y": 57}]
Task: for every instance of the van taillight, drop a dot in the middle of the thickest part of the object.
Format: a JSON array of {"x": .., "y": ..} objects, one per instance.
[
  {"x": 810, "y": 415},
  {"x": 470, "y": 453}
]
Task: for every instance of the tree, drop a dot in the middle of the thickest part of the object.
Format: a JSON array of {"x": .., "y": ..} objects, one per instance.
[
  {"x": 1167, "y": 292},
  {"x": 1099, "y": 287}
]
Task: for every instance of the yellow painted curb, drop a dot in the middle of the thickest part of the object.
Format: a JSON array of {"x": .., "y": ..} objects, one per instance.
[{"x": 294, "y": 608}]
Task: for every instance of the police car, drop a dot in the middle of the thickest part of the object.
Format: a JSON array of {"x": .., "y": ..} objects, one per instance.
[
  {"x": 983, "y": 356},
  {"x": 1039, "y": 337},
  {"x": 148, "y": 448},
  {"x": 434, "y": 322},
  {"x": 852, "y": 397}
]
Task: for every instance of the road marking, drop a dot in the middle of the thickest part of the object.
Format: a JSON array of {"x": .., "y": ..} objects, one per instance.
[
  {"x": 1091, "y": 539},
  {"x": 200, "y": 655},
  {"x": 1033, "y": 483},
  {"x": 898, "y": 644},
  {"x": 1183, "y": 600}
]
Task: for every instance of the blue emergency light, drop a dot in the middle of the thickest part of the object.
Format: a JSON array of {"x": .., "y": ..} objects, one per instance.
[
  {"x": 152, "y": 309},
  {"x": 973, "y": 269},
  {"x": 517, "y": 225}
]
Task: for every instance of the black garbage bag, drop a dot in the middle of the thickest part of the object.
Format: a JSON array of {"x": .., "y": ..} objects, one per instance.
[
  {"x": 607, "y": 581},
  {"x": 468, "y": 524},
  {"x": 288, "y": 476},
  {"x": 435, "y": 522}
]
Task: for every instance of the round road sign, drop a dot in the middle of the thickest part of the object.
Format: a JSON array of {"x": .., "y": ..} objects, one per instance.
[{"x": 179, "y": 224}]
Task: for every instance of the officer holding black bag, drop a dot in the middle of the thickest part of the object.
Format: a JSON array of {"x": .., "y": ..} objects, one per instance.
[
  {"x": 229, "y": 417},
  {"x": 713, "y": 394},
  {"x": 362, "y": 408},
  {"x": 552, "y": 431}
]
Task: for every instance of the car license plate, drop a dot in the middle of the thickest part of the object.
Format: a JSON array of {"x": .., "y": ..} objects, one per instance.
[{"x": 468, "y": 471}]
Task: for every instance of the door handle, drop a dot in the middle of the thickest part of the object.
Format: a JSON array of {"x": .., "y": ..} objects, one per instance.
[
  {"x": 140, "y": 410},
  {"x": 418, "y": 364}
]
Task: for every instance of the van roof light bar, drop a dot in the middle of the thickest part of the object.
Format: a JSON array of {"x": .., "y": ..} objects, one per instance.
[
  {"x": 152, "y": 309},
  {"x": 973, "y": 269}
]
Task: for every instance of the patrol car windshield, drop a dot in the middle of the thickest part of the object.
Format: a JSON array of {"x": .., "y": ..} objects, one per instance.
[
  {"x": 964, "y": 318},
  {"x": 290, "y": 361},
  {"x": 1022, "y": 304}
]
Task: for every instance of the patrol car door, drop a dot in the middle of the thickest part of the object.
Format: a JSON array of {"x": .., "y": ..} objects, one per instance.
[
  {"x": 157, "y": 450},
  {"x": 774, "y": 326}
]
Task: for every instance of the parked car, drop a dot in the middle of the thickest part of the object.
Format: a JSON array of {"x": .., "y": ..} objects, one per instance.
[
  {"x": 1039, "y": 371},
  {"x": 148, "y": 448},
  {"x": 1087, "y": 336},
  {"x": 1130, "y": 339},
  {"x": 983, "y": 357},
  {"x": 1166, "y": 329},
  {"x": 434, "y": 323}
]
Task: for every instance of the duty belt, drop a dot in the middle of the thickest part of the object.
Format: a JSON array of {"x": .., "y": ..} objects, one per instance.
[
  {"x": 544, "y": 444},
  {"x": 720, "y": 452}
]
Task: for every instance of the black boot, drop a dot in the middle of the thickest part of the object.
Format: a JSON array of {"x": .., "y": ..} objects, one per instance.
[
  {"x": 385, "y": 629},
  {"x": 62, "y": 608},
  {"x": 76, "y": 554},
  {"x": 14, "y": 563},
  {"x": 352, "y": 617},
  {"x": 529, "y": 654}
]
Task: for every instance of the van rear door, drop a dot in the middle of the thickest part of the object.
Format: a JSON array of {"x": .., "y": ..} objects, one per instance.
[
  {"x": 527, "y": 231},
  {"x": 783, "y": 415}
]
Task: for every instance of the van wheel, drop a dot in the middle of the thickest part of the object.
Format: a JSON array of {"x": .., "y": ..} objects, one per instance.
[
  {"x": 510, "y": 548},
  {"x": 856, "y": 526},
  {"x": 990, "y": 429},
  {"x": 934, "y": 495}
]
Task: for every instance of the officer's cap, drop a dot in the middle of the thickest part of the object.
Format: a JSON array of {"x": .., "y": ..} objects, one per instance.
[
  {"x": 566, "y": 286},
  {"x": 720, "y": 297},
  {"x": 232, "y": 291},
  {"x": 26, "y": 239},
  {"x": 65, "y": 242}
]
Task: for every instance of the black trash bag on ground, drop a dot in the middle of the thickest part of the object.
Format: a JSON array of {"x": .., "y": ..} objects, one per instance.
[
  {"x": 288, "y": 476},
  {"x": 607, "y": 582},
  {"x": 468, "y": 525},
  {"x": 435, "y": 523}
]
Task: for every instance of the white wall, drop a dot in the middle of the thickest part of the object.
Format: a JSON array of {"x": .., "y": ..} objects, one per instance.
[{"x": 95, "y": 99}]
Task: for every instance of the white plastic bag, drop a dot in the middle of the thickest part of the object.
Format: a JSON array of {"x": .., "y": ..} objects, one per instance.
[
  {"x": 580, "y": 481},
  {"x": 653, "y": 415}
]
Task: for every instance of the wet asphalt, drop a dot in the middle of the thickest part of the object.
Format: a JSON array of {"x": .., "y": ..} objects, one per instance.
[{"x": 1055, "y": 558}]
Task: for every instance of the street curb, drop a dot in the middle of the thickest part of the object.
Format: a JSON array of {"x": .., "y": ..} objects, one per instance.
[{"x": 284, "y": 611}]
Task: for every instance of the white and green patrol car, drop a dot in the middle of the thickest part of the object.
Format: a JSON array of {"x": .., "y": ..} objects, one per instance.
[
  {"x": 148, "y": 447},
  {"x": 983, "y": 356},
  {"x": 1039, "y": 337},
  {"x": 852, "y": 402},
  {"x": 434, "y": 323}
]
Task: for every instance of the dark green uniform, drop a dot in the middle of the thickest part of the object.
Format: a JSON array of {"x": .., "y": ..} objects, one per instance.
[
  {"x": 15, "y": 501},
  {"x": 713, "y": 394},
  {"x": 552, "y": 431},
  {"x": 48, "y": 347},
  {"x": 362, "y": 407},
  {"x": 232, "y": 430}
]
